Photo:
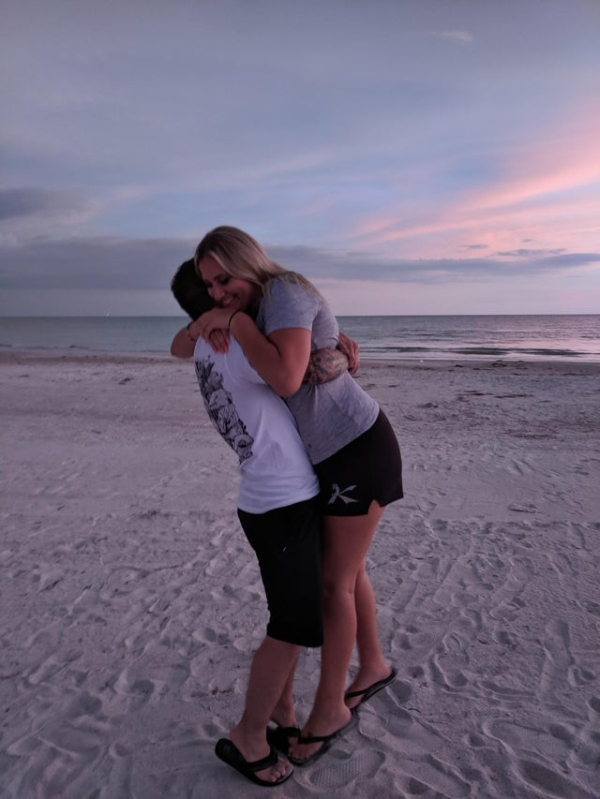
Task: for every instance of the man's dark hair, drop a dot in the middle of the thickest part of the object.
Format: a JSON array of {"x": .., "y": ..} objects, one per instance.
[{"x": 189, "y": 291}]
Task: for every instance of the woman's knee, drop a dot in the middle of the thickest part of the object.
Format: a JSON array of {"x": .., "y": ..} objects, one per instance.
[{"x": 338, "y": 585}]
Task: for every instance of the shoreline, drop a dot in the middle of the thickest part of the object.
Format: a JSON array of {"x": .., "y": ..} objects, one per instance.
[{"x": 10, "y": 354}]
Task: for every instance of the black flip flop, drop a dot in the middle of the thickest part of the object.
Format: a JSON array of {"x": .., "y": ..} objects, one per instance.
[
  {"x": 327, "y": 742},
  {"x": 228, "y": 752},
  {"x": 367, "y": 693},
  {"x": 279, "y": 737}
]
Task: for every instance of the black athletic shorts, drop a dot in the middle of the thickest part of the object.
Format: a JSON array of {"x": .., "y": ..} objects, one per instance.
[
  {"x": 287, "y": 542},
  {"x": 368, "y": 468}
]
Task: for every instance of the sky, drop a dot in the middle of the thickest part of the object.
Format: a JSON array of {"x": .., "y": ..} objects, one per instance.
[{"x": 408, "y": 156}]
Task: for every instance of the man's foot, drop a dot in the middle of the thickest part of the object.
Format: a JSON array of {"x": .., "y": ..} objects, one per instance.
[
  {"x": 355, "y": 696},
  {"x": 310, "y": 747},
  {"x": 267, "y": 771}
]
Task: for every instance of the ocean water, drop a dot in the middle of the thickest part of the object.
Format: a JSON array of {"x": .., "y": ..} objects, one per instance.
[{"x": 573, "y": 337}]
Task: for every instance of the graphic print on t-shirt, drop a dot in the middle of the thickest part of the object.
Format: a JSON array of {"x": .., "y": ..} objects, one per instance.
[{"x": 221, "y": 409}]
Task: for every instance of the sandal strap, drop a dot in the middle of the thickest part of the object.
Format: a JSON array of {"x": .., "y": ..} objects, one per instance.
[
  {"x": 352, "y": 694},
  {"x": 270, "y": 760},
  {"x": 289, "y": 732}
]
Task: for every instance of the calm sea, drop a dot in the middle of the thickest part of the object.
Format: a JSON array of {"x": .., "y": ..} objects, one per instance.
[{"x": 575, "y": 337}]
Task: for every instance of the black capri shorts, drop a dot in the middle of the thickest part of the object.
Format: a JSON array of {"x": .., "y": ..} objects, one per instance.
[
  {"x": 287, "y": 542},
  {"x": 368, "y": 468}
]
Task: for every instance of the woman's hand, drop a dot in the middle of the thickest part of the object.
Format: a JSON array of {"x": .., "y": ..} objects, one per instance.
[
  {"x": 184, "y": 343},
  {"x": 213, "y": 327},
  {"x": 215, "y": 319},
  {"x": 351, "y": 350}
]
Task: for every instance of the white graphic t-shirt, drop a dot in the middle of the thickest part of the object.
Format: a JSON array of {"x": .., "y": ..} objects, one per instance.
[{"x": 274, "y": 467}]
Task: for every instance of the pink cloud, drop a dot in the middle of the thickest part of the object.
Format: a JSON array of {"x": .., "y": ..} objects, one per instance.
[{"x": 548, "y": 193}]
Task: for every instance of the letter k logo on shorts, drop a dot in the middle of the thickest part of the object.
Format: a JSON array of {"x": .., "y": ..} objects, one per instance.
[{"x": 341, "y": 493}]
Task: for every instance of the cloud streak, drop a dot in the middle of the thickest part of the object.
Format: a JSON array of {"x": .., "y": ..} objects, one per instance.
[
  {"x": 130, "y": 265},
  {"x": 25, "y": 203},
  {"x": 551, "y": 188},
  {"x": 462, "y": 37}
]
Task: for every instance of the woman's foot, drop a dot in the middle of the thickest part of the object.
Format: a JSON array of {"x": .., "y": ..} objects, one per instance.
[
  {"x": 367, "y": 683},
  {"x": 326, "y": 730}
]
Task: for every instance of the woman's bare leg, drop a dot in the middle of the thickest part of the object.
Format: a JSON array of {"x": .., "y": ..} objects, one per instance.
[
  {"x": 346, "y": 541},
  {"x": 373, "y": 666}
]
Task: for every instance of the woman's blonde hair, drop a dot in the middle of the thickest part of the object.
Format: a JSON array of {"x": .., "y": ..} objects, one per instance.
[{"x": 242, "y": 256}]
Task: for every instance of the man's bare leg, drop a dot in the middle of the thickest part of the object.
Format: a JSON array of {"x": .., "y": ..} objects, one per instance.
[{"x": 271, "y": 671}]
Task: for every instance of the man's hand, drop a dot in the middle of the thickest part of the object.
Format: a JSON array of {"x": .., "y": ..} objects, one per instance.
[
  {"x": 351, "y": 350},
  {"x": 325, "y": 365}
]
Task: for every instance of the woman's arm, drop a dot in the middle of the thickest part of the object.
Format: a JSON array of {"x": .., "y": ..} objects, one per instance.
[
  {"x": 280, "y": 359},
  {"x": 185, "y": 340},
  {"x": 323, "y": 365}
]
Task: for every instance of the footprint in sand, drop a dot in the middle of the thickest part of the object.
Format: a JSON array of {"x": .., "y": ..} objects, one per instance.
[
  {"x": 523, "y": 507},
  {"x": 593, "y": 608},
  {"x": 48, "y": 577},
  {"x": 541, "y": 755},
  {"x": 450, "y": 679},
  {"x": 519, "y": 467},
  {"x": 62, "y": 748},
  {"x": 594, "y": 704},
  {"x": 412, "y": 744},
  {"x": 564, "y": 568},
  {"x": 520, "y": 739},
  {"x": 507, "y": 596},
  {"x": 52, "y": 665},
  {"x": 137, "y": 691},
  {"x": 338, "y": 770},
  {"x": 208, "y": 635},
  {"x": 550, "y": 781},
  {"x": 504, "y": 638},
  {"x": 558, "y": 662},
  {"x": 503, "y": 695}
]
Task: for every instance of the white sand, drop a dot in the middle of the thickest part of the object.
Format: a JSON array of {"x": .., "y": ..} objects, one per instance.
[{"x": 130, "y": 602}]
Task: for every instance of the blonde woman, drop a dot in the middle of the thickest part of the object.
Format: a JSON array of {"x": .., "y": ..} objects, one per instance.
[{"x": 278, "y": 317}]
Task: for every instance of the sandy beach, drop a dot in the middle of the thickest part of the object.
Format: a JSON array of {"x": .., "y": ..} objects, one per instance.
[{"x": 130, "y": 602}]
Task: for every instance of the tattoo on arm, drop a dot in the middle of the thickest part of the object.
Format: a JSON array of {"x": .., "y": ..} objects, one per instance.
[{"x": 325, "y": 365}]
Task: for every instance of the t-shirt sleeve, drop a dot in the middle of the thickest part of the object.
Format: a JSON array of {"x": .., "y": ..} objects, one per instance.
[{"x": 288, "y": 305}]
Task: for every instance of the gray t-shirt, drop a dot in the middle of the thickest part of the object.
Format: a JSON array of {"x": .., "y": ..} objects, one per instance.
[{"x": 330, "y": 415}]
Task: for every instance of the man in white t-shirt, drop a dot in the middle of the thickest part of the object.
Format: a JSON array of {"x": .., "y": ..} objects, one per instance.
[{"x": 279, "y": 512}]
